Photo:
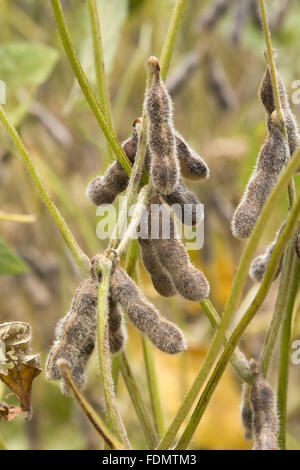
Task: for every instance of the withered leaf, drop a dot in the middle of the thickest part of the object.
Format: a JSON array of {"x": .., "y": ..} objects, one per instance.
[{"x": 19, "y": 367}]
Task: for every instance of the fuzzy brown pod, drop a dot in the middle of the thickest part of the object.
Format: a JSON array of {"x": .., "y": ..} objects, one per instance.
[
  {"x": 164, "y": 335},
  {"x": 192, "y": 166},
  {"x": 164, "y": 168},
  {"x": 185, "y": 204},
  {"x": 246, "y": 411},
  {"x": 189, "y": 281},
  {"x": 297, "y": 245},
  {"x": 75, "y": 335},
  {"x": 260, "y": 263},
  {"x": 104, "y": 189},
  {"x": 116, "y": 329},
  {"x": 160, "y": 277},
  {"x": 265, "y": 421},
  {"x": 270, "y": 162},
  {"x": 267, "y": 98},
  {"x": 18, "y": 367}
]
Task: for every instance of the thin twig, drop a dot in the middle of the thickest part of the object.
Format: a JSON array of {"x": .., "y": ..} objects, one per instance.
[
  {"x": 216, "y": 375},
  {"x": 87, "y": 89},
  {"x": 167, "y": 50},
  {"x": 99, "y": 65},
  {"x": 138, "y": 403},
  {"x": 237, "y": 286},
  {"x": 80, "y": 258},
  {"x": 113, "y": 417},
  {"x": 285, "y": 348},
  {"x": 90, "y": 413}
]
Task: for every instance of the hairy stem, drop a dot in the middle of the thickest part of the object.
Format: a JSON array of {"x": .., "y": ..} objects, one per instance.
[
  {"x": 135, "y": 219},
  {"x": 218, "y": 371},
  {"x": 238, "y": 360},
  {"x": 279, "y": 312},
  {"x": 285, "y": 347},
  {"x": 138, "y": 403},
  {"x": 113, "y": 417},
  {"x": 90, "y": 413},
  {"x": 99, "y": 65},
  {"x": 80, "y": 258},
  {"x": 87, "y": 89},
  {"x": 232, "y": 301},
  {"x": 156, "y": 405},
  {"x": 170, "y": 40}
]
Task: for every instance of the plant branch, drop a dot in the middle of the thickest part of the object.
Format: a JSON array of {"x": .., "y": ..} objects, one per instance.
[
  {"x": 285, "y": 345},
  {"x": 279, "y": 312},
  {"x": 99, "y": 64},
  {"x": 80, "y": 258},
  {"x": 153, "y": 385},
  {"x": 170, "y": 40},
  {"x": 113, "y": 417},
  {"x": 238, "y": 361},
  {"x": 232, "y": 301},
  {"x": 138, "y": 403},
  {"x": 135, "y": 219},
  {"x": 235, "y": 337},
  {"x": 90, "y": 413},
  {"x": 87, "y": 89}
]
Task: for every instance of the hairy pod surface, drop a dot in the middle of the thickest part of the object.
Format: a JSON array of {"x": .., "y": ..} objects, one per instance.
[
  {"x": 267, "y": 98},
  {"x": 192, "y": 166},
  {"x": 270, "y": 162},
  {"x": 297, "y": 245},
  {"x": 75, "y": 335},
  {"x": 116, "y": 330},
  {"x": 163, "y": 334},
  {"x": 160, "y": 277},
  {"x": 265, "y": 422},
  {"x": 104, "y": 189},
  {"x": 186, "y": 205},
  {"x": 189, "y": 281},
  {"x": 164, "y": 169},
  {"x": 260, "y": 263},
  {"x": 246, "y": 411}
]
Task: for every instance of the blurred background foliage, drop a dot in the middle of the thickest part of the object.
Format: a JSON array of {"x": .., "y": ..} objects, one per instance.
[{"x": 214, "y": 79}]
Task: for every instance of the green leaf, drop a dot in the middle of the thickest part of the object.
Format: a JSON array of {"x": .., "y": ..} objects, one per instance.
[
  {"x": 9, "y": 262},
  {"x": 25, "y": 64}
]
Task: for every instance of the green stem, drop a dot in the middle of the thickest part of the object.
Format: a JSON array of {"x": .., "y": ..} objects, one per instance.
[
  {"x": 80, "y": 258},
  {"x": 113, "y": 417},
  {"x": 238, "y": 360},
  {"x": 235, "y": 337},
  {"x": 153, "y": 387},
  {"x": 86, "y": 87},
  {"x": 136, "y": 173},
  {"x": 99, "y": 64},
  {"x": 135, "y": 220},
  {"x": 279, "y": 312},
  {"x": 90, "y": 413},
  {"x": 232, "y": 301},
  {"x": 138, "y": 403},
  {"x": 169, "y": 44},
  {"x": 285, "y": 345}
]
